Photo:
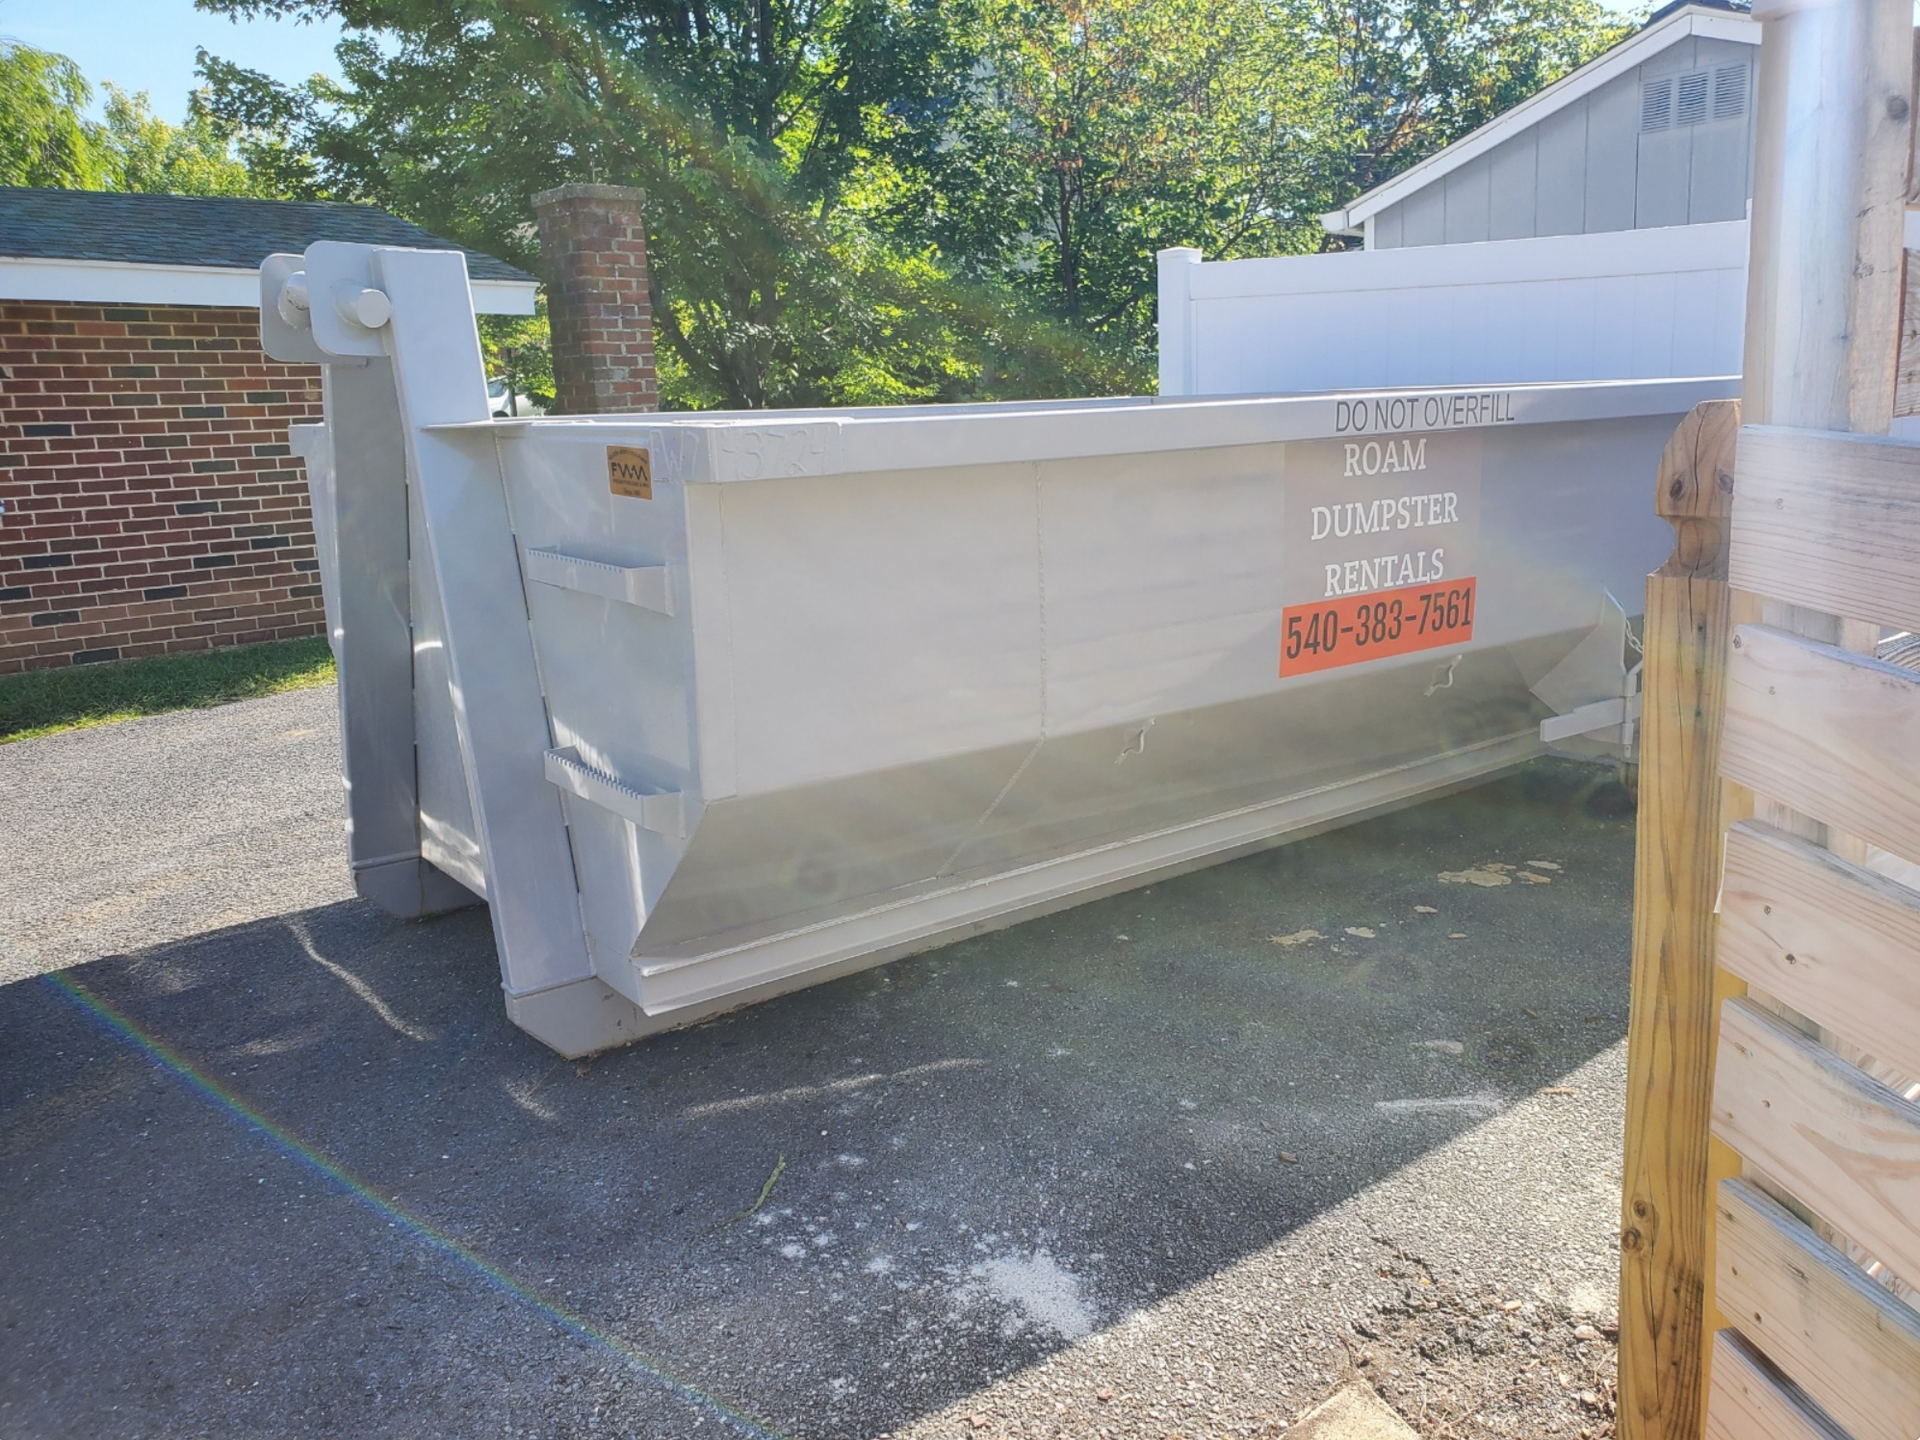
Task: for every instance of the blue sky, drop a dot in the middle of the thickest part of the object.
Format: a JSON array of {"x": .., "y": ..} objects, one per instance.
[{"x": 149, "y": 44}]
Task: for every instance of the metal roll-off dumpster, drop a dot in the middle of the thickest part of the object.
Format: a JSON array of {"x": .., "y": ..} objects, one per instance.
[{"x": 710, "y": 706}]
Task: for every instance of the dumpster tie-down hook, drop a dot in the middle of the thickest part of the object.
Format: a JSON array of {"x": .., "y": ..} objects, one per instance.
[
  {"x": 1442, "y": 677},
  {"x": 1136, "y": 746}
]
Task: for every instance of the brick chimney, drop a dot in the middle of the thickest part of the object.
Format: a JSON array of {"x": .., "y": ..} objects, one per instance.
[{"x": 593, "y": 247}]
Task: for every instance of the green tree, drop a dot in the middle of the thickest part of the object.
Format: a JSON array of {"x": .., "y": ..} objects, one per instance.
[
  {"x": 1410, "y": 76},
  {"x": 45, "y": 138},
  {"x": 1094, "y": 132},
  {"x": 521, "y": 347},
  {"x": 872, "y": 200},
  {"x": 140, "y": 151},
  {"x": 269, "y": 126},
  {"x": 755, "y": 126}
]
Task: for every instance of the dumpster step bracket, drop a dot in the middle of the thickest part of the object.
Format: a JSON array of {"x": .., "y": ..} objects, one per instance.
[
  {"x": 646, "y": 586},
  {"x": 1590, "y": 719},
  {"x": 663, "y": 812}
]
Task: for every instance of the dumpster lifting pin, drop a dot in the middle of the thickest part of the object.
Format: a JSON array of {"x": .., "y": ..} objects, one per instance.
[
  {"x": 292, "y": 303},
  {"x": 356, "y": 304}
]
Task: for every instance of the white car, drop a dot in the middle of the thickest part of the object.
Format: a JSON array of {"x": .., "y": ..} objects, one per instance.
[{"x": 499, "y": 402}]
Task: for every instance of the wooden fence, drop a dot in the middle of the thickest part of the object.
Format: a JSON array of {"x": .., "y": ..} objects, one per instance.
[
  {"x": 1783, "y": 1270},
  {"x": 1771, "y": 1192},
  {"x": 1812, "y": 1066}
]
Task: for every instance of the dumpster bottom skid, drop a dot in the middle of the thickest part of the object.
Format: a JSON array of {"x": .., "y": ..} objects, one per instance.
[{"x": 710, "y": 706}]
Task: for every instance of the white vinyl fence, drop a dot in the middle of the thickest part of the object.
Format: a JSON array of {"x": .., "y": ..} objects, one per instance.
[{"x": 1629, "y": 305}]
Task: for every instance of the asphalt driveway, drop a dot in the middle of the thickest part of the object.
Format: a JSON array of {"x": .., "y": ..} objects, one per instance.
[{"x": 272, "y": 1163}]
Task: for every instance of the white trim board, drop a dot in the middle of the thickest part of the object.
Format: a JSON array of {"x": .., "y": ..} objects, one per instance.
[
  {"x": 116, "y": 282},
  {"x": 1635, "y": 50},
  {"x": 1671, "y": 249}
]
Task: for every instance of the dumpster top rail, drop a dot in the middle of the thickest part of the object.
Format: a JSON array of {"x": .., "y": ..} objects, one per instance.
[{"x": 911, "y": 437}]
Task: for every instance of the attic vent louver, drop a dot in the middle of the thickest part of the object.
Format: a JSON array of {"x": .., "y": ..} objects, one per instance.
[
  {"x": 1693, "y": 98},
  {"x": 1729, "y": 92},
  {"x": 1692, "y": 108},
  {"x": 1656, "y": 104}
]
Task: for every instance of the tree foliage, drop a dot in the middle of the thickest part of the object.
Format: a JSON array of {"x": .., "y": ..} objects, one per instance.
[
  {"x": 849, "y": 201},
  {"x": 1407, "y": 77},
  {"x": 763, "y": 132},
  {"x": 1095, "y": 132},
  {"x": 142, "y": 152},
  {"x": 44, "y": 136}
]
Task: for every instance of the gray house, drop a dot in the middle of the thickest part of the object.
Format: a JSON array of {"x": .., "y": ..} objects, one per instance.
[{"x": 1658, "y": 131}]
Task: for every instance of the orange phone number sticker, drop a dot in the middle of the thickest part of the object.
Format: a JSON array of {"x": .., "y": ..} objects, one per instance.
[{"x": 1347, "y": 629}]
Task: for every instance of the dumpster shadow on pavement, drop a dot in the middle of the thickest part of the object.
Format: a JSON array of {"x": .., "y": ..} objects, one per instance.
[{"x": 302, "y": 1177}]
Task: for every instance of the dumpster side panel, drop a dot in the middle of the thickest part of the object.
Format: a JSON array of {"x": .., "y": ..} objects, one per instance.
[
  {"x": 684, "y": 986},
  {"x": 1564, "y": 519},
  {"x": 1108, "y": 787},
  {"x": 1159, "y": 582},
  {"x": 763, "y": 864},
  {"x": 1162, "y": 582},
  {"x": 880, "y": 620},
  {"x": 866, "y": 620}
]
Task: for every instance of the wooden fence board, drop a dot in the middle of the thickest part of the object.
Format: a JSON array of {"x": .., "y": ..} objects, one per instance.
[
  {"x": 1838, "y": 943},
  {"x": 1829, "y": 521},
  {"x": 1815, "y": 1314},
  {"x": 1746, "y": 1403},
  {"x": 1827, "y": 732},
  {"x": 1825, "y": 1131},
  {"x": 1665, "y": 1269}
]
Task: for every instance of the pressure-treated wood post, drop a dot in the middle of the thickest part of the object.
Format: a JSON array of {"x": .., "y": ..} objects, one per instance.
[{"x": 1663, "y": 1230}]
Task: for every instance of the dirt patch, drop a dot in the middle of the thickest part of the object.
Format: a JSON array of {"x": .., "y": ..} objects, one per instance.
[{"x": 1462, "y": 1367}]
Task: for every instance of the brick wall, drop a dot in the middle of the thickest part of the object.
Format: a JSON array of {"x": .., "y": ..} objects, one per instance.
[
  {"x": 593, "y": 247},
  {"x": 151, "y": 504}
]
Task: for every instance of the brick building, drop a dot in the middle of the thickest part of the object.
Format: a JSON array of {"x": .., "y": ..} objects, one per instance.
[{"x": 150, "y": 503}]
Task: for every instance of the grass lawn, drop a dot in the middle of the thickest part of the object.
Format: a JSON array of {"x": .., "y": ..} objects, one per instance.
[{"x": 41, "y": 702}]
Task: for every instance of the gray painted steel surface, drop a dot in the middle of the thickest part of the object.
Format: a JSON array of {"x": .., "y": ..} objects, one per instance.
[{"x": 712, "y": 706}]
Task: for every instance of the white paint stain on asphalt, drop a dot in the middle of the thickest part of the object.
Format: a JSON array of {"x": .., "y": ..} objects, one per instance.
[{"x": 1041, "y": 1291}]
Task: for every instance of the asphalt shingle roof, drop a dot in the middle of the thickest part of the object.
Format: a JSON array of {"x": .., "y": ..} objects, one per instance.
[{"x": 217, "y": 231}]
